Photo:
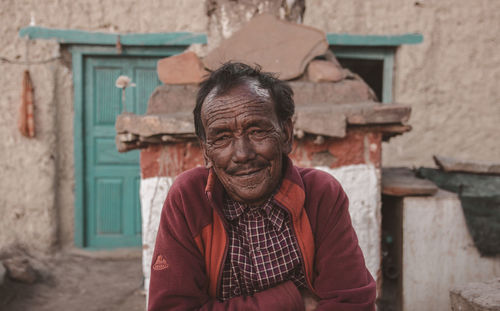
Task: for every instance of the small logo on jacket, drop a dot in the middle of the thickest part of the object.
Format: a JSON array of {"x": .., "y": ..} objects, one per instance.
[{"x": 160, "y": 263}]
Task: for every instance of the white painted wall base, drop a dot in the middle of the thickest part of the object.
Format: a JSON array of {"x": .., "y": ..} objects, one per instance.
[
  {"x": 362, "y": 185},
  {"x": 438, "y": 252},
  {"x": 153, "y": 193}
]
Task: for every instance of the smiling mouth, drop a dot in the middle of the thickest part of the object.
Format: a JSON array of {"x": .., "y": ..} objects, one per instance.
[{"x": 249, "y": 172}]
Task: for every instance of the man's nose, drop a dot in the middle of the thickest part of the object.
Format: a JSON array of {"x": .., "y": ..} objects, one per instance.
[{"x": 243, "y": 149}]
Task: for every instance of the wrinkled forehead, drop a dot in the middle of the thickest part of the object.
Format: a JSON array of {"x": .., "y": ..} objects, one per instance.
[
  {"x": 251, "y": 87},
  {"x": 242, "y": 101},
  {"x": 245, "y": 97}
]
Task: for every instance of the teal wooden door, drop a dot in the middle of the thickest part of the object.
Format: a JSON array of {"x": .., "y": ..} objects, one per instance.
[{"x": 112, "y": 213}]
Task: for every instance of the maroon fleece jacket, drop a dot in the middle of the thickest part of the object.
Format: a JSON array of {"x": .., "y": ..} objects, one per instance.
[{"x": 191, "y": 247}]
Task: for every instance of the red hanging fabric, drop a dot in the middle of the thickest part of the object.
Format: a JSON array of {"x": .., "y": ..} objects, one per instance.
[{"x": 26, "y": 121}]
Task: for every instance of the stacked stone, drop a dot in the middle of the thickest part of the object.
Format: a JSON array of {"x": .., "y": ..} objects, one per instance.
[{"x": 476, "y": 296}]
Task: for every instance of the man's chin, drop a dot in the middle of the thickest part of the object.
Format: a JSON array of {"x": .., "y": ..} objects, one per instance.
[
  {"x": 260, "y": 192},
  {"x": 252, "y": 188}
]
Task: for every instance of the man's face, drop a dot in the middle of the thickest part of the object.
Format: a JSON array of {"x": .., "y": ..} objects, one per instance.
[{"x": 245, "y": 143}]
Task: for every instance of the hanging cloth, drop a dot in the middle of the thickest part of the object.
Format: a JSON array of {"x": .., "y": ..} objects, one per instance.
[{"x": 26, "y": 120}]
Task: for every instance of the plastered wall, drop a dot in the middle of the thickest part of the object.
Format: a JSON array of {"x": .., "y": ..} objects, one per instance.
[
  {"x": 37, "y": 177},
  {"x": 450, "y": 80}
]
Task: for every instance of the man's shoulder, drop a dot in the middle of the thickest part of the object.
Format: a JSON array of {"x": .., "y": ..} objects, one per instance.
[
  {"x": 195, "y": 177},
  {"x": 318, "y": 180},
  {"x": 187, "y": 194},
  {"x": 190, "y": 182},
  {"x": 324, "y": 196}
]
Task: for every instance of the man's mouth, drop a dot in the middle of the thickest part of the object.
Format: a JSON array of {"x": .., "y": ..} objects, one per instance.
[{"x": 248, "y": 172}]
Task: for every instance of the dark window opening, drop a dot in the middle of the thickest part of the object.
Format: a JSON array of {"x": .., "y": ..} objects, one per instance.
[{"x": 372, "y": 71}]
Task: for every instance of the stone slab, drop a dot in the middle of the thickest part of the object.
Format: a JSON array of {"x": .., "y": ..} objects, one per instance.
[
  {"x": 332, "y": 120},
  {"x": 278, "y": 46},
  {"x": 401, "y": 181},
  {"x": 149, "y": 125},
  {"x": 139, "y": 131},
  {"x": 184, "y": 68},
  {"x": 389, "y": 130},
  {"x": 172, "y": 98},
  {"x": 320, "y": 121},
  {"x": 324, "y": 71},
  {"x": 352, "y": 91},
  {"x": 449, "y": 164},
  {"x": 476, "y": 296},
  {"x": 330, "y": 56},
  {"x": 380, "y": 114}
]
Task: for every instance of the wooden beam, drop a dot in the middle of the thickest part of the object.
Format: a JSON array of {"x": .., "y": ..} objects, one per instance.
[
  {"x": 448, "y": 164},
  {"x": 378, "y": 114},
  {"x": 74, "y": 36},
  {"x": 402, "y": 182},
  {"x": 373, "y": 40}
]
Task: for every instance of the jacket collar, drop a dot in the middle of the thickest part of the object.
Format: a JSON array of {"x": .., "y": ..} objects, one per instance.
[{"x": 291, "y": 194}]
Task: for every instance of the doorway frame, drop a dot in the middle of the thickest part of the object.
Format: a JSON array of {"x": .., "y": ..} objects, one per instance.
[{"x": 78, "y": 54}]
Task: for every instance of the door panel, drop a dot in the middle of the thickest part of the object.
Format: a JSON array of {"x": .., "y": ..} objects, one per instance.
[
  {"x": 108, "y": 204},
  {"x": 105, "y": 153},
  {"x": 111, "y": 187},
  {"x": 147, "y": 78},
  {"x": 106, "y": 95}
]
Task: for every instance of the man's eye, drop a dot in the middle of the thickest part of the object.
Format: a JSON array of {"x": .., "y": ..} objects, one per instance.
[
  {"x": 257, "y": 132},
  {"x": 222, "y": 138}
]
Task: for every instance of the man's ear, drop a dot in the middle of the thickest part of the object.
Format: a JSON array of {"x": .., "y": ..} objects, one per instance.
[
  {"x": 208, "y": 163},
  {"x": 287, "y": 136}
]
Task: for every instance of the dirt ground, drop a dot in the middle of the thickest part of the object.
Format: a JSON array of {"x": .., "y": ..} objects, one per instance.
[{"x": 76, "y": 280}]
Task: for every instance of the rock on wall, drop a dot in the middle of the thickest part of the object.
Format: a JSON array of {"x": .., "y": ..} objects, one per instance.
[
  {"x": 450, "y": 80},
  {"x": 37, "y": 184},
  {"x": 360, "y": 182}
]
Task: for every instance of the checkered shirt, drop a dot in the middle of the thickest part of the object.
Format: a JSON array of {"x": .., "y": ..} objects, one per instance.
[{"x": 263, "y": 251}]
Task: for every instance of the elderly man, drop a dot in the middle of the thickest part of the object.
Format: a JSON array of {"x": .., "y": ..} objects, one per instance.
[{"x": 251, "y": 231}]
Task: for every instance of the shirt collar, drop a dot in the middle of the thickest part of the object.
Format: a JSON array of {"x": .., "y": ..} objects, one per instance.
[{"x": 233, "y": 210}]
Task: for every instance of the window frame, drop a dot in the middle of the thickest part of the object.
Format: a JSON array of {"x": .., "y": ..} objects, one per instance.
[{"x": 373, "y": 47}]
